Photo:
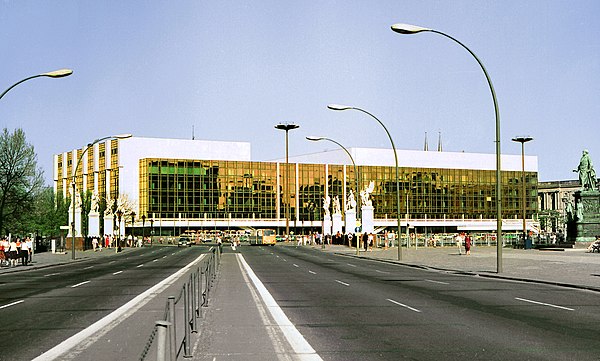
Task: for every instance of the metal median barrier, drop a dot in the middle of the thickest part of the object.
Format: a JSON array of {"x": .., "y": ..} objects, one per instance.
[{"x": 173, "y": 332}]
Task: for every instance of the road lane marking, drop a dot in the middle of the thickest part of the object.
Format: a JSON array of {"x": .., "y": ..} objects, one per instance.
[
  {"x": 544, "y": 304},
  {"x": 293, "y": 336},
  {"x": 403, "y": 305},
  {"x": 140, "y": 266},
  {"x": 88, "y": 267},
  {"x": 11, "y": 304},
  {"x": 384, "y": 272},
  {"x": 295, "y": 265},
  {"x": 77, "y": 343},
  {"x": 80, "y": 283},
  {"x": 51, "y": 274},
  {"x": 440, "y": 282},
  {"x": 312, "y": 272},
  {"x": 116, "y": 273},
  {"x": 342, "y": 283},
  {"x": 351, "y": 265}
]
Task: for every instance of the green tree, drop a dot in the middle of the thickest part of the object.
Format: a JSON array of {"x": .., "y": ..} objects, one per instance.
[
  {"x": 20, "y": 181},
  {"x": 49, "y": 213}
]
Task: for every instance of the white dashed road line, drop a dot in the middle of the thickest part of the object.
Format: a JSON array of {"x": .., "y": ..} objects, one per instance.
[
  {"x": 403, "y": 305},
  {"x": 544, "y": 304},
  {"x": 11, "y": 304},
  {"x": 80, "y": 283},
  {"x": 342, "y": 283},
  {"x": 438, "y": 282}
]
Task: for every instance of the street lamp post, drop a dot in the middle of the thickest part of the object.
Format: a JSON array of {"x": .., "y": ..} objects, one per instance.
[
  {"x": 356, "y": 177},
  {"x": 132, "y": 233},
  {"x": 338, "y": 107},
  {"x": 121, "y": 136},
  {"x": 287, "y": 127},
  {"x": 412, "y": 29},
  {"x": 523, "y": 140},
  {"x": 143, "y": 228},
  {"x": 52, "y": 74},
  {"x": 119, "y": 215},
  {"x": 151, "y": 230}
]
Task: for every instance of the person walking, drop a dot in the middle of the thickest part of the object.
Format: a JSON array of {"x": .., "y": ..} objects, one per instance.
[
  {"x": 458, "y": 240},
  {"x": 24, "y": 251},
  {"x": 468, "y": 245},
  {"x": 13, "y": 252}
]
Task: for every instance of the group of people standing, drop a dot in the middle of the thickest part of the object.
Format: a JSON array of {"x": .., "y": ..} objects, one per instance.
[{"x": 15, "y": 249}]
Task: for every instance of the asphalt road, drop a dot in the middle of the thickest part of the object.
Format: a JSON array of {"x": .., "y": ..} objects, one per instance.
[
  {"x": 40, "y": 308},
  {"x": 358, "y": 309}
]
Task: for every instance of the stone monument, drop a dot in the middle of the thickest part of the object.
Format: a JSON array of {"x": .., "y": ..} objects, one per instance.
[
  {"x": 77, "y": 217},
  {"x": 368, "y": 225},
  {"x": 337, "y": 216},
  {"x": 94, "y": 216},
  {"x": 350, "y": 219},
  {"x": 109, "y": 217},
  {"x": 587, "y": 202},
  {"x": 327, "y": 216}
]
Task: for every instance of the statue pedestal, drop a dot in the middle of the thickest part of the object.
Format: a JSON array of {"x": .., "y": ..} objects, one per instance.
[
  {"x": 109, "y": 224},
  {"x": 350, "y": 221},
  {"x": 94, "y": 224},
  {"x": 368, "y": 226},
  {"x": 327, "y": 225},
  {"x": 337, "y": 223},
  {"x": 77, "y": 221},
  {"x": 587, "y": 210}
]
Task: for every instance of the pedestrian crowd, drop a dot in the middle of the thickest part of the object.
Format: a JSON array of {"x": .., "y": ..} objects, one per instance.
[{"x": 15, "y": 249}]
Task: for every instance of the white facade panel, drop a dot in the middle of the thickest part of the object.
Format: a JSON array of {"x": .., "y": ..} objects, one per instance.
[
  {"x": 419, "y": 159},
  {"x": 131, "y": 150}
]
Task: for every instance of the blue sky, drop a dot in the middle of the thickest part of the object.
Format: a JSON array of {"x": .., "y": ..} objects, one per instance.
[{"x": 234, "y": 69}]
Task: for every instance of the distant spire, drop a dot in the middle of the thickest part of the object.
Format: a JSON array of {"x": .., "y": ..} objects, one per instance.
[
  {"x": 439, "y": 141},
  {"x": 193, "y": 137},
  {"x": 426, "y": 147}
]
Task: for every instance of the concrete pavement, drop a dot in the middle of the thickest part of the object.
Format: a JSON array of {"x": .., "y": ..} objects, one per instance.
[{"x": 569, "y": 267}]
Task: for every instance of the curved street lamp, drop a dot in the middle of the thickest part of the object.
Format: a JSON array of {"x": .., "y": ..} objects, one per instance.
[
  {"x": 338, "y": 107},
  {"x": 356, "y": 177},
  {"x": 120, "y": 136},
  {"x": 52, "y": 74},
  {"x": 287, "y": 127},
  {"x": 408, "y": 29}
]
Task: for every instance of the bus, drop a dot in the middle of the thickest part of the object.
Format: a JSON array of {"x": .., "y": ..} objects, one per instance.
[{"x": 261, "y": 237}]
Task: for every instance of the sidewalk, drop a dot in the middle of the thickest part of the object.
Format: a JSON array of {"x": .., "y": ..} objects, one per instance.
[
  {"x": 46, "y": 259},
  {"x": 571, "y": 267}
]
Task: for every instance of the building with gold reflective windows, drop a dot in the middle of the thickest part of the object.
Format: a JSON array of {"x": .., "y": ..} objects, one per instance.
[{"x": 197, "y": 184}]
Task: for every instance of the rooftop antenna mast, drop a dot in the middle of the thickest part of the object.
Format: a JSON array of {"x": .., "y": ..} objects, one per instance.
[{"x": 193, "y": 137}]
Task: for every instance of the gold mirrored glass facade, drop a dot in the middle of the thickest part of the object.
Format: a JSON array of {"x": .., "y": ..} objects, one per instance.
[{"x": 213, "y": 189}]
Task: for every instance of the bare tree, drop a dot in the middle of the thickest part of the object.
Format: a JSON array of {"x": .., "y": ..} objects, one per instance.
[{"x": 20, "y": 180}]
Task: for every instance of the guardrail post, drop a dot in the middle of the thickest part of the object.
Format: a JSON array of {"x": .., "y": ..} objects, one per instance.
[
  {"x": 163, "y": 343},
  {"x": 186, "y": 317},
  {"x": 173, "y": 328},
  {"x": 194, "y": 301}
]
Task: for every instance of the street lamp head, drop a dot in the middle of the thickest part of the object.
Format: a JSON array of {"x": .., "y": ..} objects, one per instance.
[
  {"x": 122, "y": 136},
  {"x": 522, "y": 139},
  {"x": 58, "y": 73},
  {"x": 408, "y": 29},
  {"x": 286, "y": 126},
  {"x": 338, "y": 107},
  {"x": 314, "y": 138}
]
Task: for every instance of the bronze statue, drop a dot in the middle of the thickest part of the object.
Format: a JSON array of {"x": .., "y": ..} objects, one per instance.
[{"x": 587, "y": 174}]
